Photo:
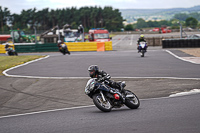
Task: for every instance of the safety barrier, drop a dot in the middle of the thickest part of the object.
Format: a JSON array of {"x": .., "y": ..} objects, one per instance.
[
  {"x": 89, "y": 46},
  {"x": 180, "y": 43},
  {"x": 2, "y": 48},
  {"x": 52, "y": 47},
  {"x": 81, "y": 46},
  {"x": 108, "y": 46}
]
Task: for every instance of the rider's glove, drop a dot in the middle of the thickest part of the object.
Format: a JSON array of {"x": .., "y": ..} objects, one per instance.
[
  {"x": 106, "y": 82},
  {"x": 101, "y": 79}
]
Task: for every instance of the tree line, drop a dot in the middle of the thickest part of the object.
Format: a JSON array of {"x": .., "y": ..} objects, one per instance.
[
  {"x": 89, "y": 17},
  {"x": 45, "y": 19}
]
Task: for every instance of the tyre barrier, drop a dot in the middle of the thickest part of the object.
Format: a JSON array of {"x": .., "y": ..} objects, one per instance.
[{"x": 180, "y": 43}]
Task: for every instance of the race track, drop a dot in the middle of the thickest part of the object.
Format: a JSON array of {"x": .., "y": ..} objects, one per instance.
[{"x": 52, "y": 99}]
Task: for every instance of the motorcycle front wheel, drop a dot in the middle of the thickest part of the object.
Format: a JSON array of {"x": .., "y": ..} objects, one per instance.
[
  {"x": 104, "y": 106},
  {"x": 142, "y": 53},
  {"x": 16, "y": 53},
  {"x": 131, "y": 100}
]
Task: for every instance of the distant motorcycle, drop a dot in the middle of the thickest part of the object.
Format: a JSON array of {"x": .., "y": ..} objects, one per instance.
[
  {"x": 64, "y": 50},
  {"x": 11, "y": 52},
  {"x": 105, "y": 98},
  {"x": 142, "y": 47}
]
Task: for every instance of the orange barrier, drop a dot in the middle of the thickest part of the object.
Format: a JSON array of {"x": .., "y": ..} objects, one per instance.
[{"x": 100, "y": 46}]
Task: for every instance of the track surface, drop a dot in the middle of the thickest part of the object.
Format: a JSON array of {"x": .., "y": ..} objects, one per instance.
[
  {"x": 156, "y": 63},
  {"x": 174, "y": 115},
  {"x": 22, "y": 95}
]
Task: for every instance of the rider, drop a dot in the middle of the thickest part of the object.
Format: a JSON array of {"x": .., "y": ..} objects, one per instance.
[
  {"x": 7, "y": 47},
  {"x": 94, "y": 72},
  {"x": 59, "y": 45},
  {"x": 141, "y": 39}
]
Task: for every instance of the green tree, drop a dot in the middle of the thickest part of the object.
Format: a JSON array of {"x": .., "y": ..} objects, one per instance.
[
  {"x": 141, "y": 23},
  {"x": 4, "y": 17},
  {"x": 128, "y": 27},
  {"x": 181, "y": 16},
  {"x": 191, "y": 22}
]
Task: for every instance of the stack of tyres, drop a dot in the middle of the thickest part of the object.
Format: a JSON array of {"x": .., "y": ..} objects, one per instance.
[
  {"x": 164, "y": 43},
  {"x": 197, "y": 43},
  {"x": 192, "y": 43},
  {"x": 173, "y": 43},
  {"x": 182, "y": 44}
]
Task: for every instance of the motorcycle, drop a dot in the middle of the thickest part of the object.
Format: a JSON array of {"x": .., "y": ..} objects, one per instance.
[
  {"x": 142, "y": 47},
  {"x": 64, "y": 50},
  {"x": 11, "y": 51},
  {"x": 105, "y": 98}
]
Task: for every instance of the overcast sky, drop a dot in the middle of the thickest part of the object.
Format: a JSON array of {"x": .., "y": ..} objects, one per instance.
[{"x": 16, "y": 6}]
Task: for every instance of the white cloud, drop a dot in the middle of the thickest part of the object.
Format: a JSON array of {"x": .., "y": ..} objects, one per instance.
[{"x": 18, "y": 5}]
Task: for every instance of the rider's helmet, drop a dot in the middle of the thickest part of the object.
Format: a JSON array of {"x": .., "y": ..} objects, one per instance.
[
  {"x": 141, "y": 36},
  {"x": 7, "y": 45},
  {"x": 59, "y": 41},
  {"x": 93, "y": 70}
]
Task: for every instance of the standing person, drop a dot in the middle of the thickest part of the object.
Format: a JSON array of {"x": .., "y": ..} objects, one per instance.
[
  {"x": 62, "y": 47},
  {"x": 141, "y": 39}
]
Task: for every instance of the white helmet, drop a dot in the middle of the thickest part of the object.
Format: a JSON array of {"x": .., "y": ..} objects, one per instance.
[{"x": 59, "y": 41}]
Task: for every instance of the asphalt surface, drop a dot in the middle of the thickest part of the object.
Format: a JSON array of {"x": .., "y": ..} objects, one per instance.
[
  {"x": 174, "y": 115},
  {"x": 27, "y": 95},
  {"x": 156, "y": 63}
]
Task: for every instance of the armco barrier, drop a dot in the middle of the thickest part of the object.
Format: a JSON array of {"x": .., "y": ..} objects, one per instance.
[
  {"x": 72, "y": 46},
  {"x": 180, "y": 43}
]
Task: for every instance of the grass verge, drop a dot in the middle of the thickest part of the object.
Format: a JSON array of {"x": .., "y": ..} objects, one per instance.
[
  {"x": 192, "y": 51},
  {"x": 11, "y": 61}
]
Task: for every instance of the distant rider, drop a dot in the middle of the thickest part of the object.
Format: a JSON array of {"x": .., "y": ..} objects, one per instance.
[
  {"x": 101, "y": 76},
  {"x": 7, "y": 47},
  {"x": 59, "y": 45},
  {"x": 141, "y": 39}
]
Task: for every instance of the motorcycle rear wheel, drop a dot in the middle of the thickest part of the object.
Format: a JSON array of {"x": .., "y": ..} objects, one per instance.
[
  {"x": 100, "y": 104},
  {"x": 132, "y": 102}
]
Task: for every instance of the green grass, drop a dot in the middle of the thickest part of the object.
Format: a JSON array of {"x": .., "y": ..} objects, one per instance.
[{"x": 11, "y": 61}]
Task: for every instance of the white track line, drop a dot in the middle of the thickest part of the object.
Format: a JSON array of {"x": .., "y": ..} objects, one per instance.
[
  {"x": 118, "y": 41},
  {"x": 80, "y": 107},
  {"x": 180, "y": 57},
  {"x": 21, "y": 76},
  {"x": 4, "y": 72}
]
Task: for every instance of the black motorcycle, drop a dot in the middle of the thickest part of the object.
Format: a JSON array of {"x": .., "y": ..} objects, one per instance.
[
  {"x": 11, "y": 52},
  {"x": 105, "y": 98},
  {"x": 64, "y": 50}
]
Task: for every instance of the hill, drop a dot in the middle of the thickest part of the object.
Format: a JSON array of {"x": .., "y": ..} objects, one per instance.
[{"x": 132, "y": 15}]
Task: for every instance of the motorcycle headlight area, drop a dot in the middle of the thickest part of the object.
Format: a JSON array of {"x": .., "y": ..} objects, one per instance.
[{"x": 89, "y": 87}]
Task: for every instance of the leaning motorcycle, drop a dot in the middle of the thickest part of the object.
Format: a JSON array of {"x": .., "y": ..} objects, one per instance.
[
  {"x": 11, "y": 52},
  {"x": 105, "y": 98},
  {"x": 142, "y": 47},
  {"x": 63, "y": 49}
]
